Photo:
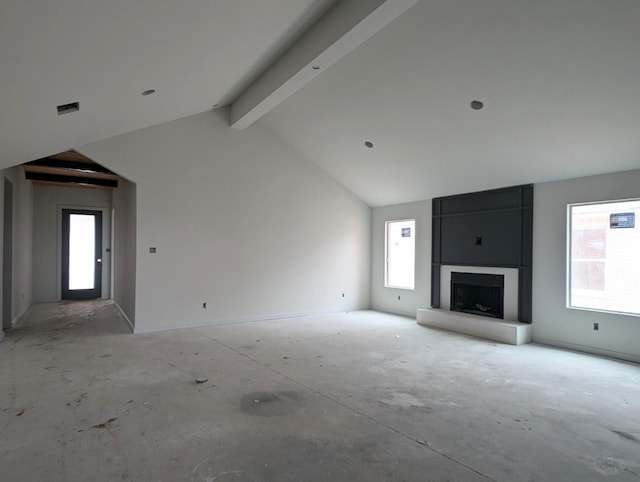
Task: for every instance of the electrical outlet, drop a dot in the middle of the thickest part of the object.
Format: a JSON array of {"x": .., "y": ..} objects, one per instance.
[
  {"x": 152, "y": 250},
  {"x": 343, "y": 295},
  {"x": 204, "y": 305},
  {"x": 596, "y": 326},
  {"x": 398, "y": 297}
]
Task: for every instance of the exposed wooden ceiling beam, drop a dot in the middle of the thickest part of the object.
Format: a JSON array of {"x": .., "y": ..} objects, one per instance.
[
  {"x": 69, "y": 184},
  {"x": 70, "y": 172},
  {"x": 59, "y": 178},
  {"x": 72, "y": 169},
  {"x": 81, "y": 167}
]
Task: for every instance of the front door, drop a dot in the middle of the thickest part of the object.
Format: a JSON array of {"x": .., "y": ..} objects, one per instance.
[{"x": 81, "y": 254}]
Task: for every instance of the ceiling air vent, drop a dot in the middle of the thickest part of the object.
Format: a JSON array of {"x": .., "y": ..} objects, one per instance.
[{"x": 68, "y": 108}]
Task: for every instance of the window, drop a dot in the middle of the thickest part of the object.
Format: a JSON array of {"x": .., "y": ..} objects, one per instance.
[
  {"x": 604, "y": 256},
  {"x": 400, "y": 254}
]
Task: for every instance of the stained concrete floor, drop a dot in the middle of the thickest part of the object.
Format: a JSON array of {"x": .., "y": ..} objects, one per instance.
[{"x": 362, "y": 396}]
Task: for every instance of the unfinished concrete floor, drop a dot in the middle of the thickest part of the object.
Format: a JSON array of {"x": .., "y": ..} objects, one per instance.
[{"x": 350, "y": 397}]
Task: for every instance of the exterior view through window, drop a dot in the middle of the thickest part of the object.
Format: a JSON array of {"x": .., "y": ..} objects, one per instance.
[
  {"x": 401, "y": 254},
  {"x": 604, "y": 256},
  {"x": 81, "y": 252}
]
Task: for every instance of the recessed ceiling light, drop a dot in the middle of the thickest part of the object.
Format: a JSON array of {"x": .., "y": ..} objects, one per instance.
[
  {"x": 477, "y": 105},
  {"x": 149, "y": 92},
  {"x": 368, "y": 144}
]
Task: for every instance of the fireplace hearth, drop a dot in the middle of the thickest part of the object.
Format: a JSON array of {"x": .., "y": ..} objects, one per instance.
[{"x": 478, "y": 294}]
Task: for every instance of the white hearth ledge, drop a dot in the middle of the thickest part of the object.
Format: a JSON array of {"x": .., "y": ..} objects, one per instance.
[{"x": 511, "y": 332}]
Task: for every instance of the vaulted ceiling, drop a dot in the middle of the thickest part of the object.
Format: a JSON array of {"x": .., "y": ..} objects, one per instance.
[
  {"x": 558, "y": 80},
  {"x": 104, "y": 54}
]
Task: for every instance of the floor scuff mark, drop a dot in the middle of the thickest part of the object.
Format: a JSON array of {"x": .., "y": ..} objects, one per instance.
[{"x": 105, "y": 424}]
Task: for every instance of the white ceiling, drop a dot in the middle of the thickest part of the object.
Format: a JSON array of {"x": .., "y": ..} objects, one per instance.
[
  {"x": 104, "y": 53},
  {"x": 560, "y": 80}
]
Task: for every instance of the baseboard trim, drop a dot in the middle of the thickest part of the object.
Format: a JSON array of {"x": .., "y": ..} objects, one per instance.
[
  {"x": 17, "y": 319},
  {"x": 126, "y": 318},
  {"x": 391, "y": 311},
  {"x": 237, "y": 321},
  {"x": 617, "y": 355}
]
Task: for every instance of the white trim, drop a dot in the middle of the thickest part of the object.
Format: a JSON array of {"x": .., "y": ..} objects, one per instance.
[
  {"x": 610, "y": 312},
  {"x": 567, "y": 266},
  {"x": 606, "y": 201},
  {"x": 617, "y": 355},
  {"x": 126, "y": 318},
  {"x": 511, "y": 283},
  {"x": 16, "y": 320},
  {"x": 386, "y": 253},
  {"x": 112, "y": 243},
  {"x": 237, "y": 321},
  {"x": 569, "y": 259}
]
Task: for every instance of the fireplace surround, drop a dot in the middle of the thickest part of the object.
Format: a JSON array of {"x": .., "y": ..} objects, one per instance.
[
  {"x": 510, "y": 288},
  {"x": 505, "y": 330}
]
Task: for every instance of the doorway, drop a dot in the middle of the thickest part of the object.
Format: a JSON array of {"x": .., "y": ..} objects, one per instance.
[
  {"x": 81, "y": 254},
  {"x": 7, "y": 255}
]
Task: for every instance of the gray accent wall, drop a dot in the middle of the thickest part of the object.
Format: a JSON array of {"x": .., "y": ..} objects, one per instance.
[{"x": 490, "y": 229}]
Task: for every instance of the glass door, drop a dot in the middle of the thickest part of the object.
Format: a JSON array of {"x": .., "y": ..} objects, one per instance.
[{"x": 81, "y": 254}]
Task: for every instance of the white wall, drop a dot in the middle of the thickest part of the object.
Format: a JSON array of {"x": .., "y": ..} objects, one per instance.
[
  {"x": 22, "y": 240},
  {"x": 47, "y": 249},
  {"x": 123, "y": 250},
  {"x": 240, "y": 221},
  {"x": 386, "y": 299},
  {"x": 554, "y": 324}
]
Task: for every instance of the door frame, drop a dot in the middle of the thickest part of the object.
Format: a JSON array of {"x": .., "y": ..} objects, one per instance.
[
  {"x": 7, "y": 256},
  {"x": 106, "y": 251}
]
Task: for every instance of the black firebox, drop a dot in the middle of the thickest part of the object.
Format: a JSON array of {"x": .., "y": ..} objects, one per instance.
[{"x": 478, "y": 294}]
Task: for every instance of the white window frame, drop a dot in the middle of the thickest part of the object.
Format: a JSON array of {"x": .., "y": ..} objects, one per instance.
[
  {"x": 386, "y": 254},
  {"x": 569, "y": 304}
]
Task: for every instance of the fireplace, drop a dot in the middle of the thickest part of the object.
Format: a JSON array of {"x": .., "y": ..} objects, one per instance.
[{"x": 478, "y": 294}]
